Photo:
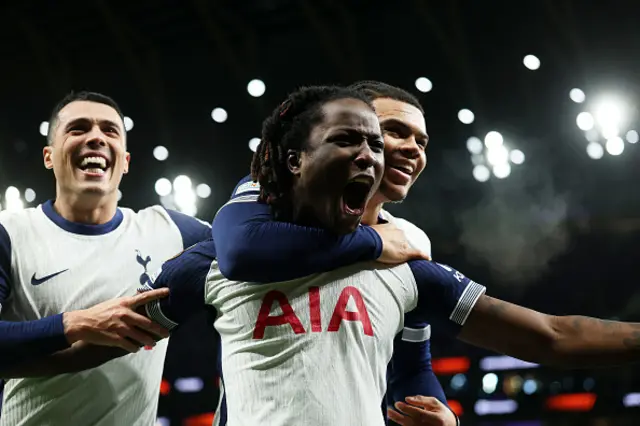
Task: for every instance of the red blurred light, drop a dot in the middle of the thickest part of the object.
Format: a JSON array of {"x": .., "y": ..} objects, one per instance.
[
  {"x": 199, "y": 420},
  {"x": 447, "y": 366},
  {"x": 572, "y": 402},
  {"x": 456, "y": 407},
  {"x": 165, "y": 387}
]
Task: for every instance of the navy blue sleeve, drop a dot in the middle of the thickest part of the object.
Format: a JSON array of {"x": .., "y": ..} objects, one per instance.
[
  {"x": 445, "y": 296},
  {"x": 252, "y": 246},
  {"x": 5, "y": 266},
  {"x": 185, "y": 276},
  {"x": 192, "y": 230},
  {"x": 22, "y": 341},
  {"x": 409, "y": 372}
]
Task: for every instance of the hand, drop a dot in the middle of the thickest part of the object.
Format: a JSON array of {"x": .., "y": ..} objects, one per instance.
[
  {"x": 115, "y": 323},
  {"x": 422, "y": 410},
  {"x": 396, "y": 248}
]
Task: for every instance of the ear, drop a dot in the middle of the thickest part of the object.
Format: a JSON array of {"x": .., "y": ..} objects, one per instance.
[
  {"x": 47, "y": 155},
  {"x": 293, "y": 162},
  {"x": 127, "y": 160}
]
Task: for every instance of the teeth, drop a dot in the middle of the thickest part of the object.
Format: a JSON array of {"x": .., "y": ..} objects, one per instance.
[
  {"x": 99, "y": 161},
  {"x": 406, "y": 170},
  {"x": 362, "y": 180}
]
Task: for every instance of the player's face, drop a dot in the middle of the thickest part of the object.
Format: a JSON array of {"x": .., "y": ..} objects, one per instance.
[
  {"x": 341, "y": 167},
  {"x": 405, "y": 141},
  {"x": 88, "y": 153}
]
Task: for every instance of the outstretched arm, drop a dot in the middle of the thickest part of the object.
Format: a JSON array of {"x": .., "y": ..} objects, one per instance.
[
  {"x": 448, "y": 298},
  {"x": 252, "y": 246},
  {"x": 561, "y": 341}
]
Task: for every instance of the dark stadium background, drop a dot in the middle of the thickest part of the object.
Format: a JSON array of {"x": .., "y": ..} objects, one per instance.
[{"x": 559, "y": 234}]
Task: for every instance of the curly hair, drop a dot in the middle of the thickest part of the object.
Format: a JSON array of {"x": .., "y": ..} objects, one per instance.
[{"x": 288, "y": 127}]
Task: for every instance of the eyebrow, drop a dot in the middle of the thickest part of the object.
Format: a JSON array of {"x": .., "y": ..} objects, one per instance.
[
  {"x": 84, "y": 120},
  {"x": 413, "y": 129},
  {"x": 355, "y": 132}
]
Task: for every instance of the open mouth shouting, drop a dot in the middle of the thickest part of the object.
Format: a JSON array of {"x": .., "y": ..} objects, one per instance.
[
  {"x": 356, "y": 194},
  {"x": 93, "y": 164}
]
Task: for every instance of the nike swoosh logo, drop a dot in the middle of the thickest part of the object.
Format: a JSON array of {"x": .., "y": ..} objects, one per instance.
[{"x": 38, "y": 281}]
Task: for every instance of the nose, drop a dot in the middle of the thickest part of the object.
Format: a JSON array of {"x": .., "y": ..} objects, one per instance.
[
  {"x": 410, "y": 148},
  {"x": 365, "y": 158},
  {"x": 96, "y": 138}
]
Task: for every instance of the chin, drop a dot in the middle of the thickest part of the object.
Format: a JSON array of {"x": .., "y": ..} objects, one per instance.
[{"x": 394, "y": 193}]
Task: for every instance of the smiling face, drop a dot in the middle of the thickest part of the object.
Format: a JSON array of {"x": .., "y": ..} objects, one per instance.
[
  {"x": 341, "y": 166},
  {"x": 405, "y": 140},
  {"x": 88, "y": 150}
]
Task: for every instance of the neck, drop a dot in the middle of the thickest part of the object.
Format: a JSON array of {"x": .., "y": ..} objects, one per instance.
[
  {"x": 372, "y": 210},
  {"x": 89, "y": 210}
]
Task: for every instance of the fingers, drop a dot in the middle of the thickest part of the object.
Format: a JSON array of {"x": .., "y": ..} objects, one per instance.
[
  {"x": 421, "y": 416},
  {"x": 136, "y": 320},
  {"x": 426, "y": 402},
  {"x": 399, "y": 418},
  {"x": 418, "y": 254},
  {"x": 146, "y": 297},
  {"x": 121, "y": 342},
  {"x": 138, "y": 337}
]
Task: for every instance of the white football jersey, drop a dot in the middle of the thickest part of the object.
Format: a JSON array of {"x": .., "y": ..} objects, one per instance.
[
  {"x": 416, "y": 236},
  {"x": 59, "y": 266}
]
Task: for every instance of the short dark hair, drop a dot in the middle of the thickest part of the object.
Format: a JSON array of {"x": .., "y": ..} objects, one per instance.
[
  {"x": 288, "y": 127},
  {"x": 377, "y": 89},
  {"x": 79, "y": 96}
]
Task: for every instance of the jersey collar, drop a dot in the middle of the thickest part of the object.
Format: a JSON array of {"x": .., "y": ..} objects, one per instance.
[{"x": 81, "y": 228}]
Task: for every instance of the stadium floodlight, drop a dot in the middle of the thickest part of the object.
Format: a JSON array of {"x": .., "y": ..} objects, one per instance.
[
  {"x": 160, "y": 153},
  {"x": 423, "y": 84},
  {"x": 531, "y": 62},
  {"x": 219, "y": 115},
  {"x": 256, "y": 88}
]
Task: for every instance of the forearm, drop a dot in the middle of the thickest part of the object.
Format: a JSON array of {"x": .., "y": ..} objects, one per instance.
[
  {"x": 78, "y": 357},
  {"x": 30, "y": 339},
  {"x": 582, "y": 342},
  {"x": 423, "y": 382},
  {"x": 252, "y": 247}
]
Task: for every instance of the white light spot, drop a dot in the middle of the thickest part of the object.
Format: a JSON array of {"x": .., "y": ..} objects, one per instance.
[
  {"x": 44, "y": 128},
  {"x": 493, "y": 139},
  {"x": 219, "y": 115},
  {"x": 182, "y": 183},
  {"x": 585, "y": 121},
  {"x": 595, "y": 150},
  {"x": 466, "y": 116},
  {"x": 203, "y": 190},
  {"x": 162, "y": 421},
  {"x": 256, "y": 88},
  {"x": 12, "y": 193},
  {"x": 189, "y": 384},
  {"x": 532, "y": 62},
  {"x": 502, "y": 171},
  {"x": 577, "y": 95},
  {"x": 160, "y": 153},
  {"x": 423, "y": 84},
  {"x": 516, "y": 156},
  {"x": 489, "y": 383},
  {"x": 481, "y": 173},
  {"x": 128, "y": 123},
  {"x": 253, "y": 144},
  {"x": 609, "y": 113},
  {"x": 29, "y": 195},
  {"x": 498, "y": 155},
  {"x": 615, "y": 146},
  {"x": 632, "y": 136},
  {"x": 163, "y": 187},
  {"x": 119, "y": 195},
  {"x": 474, "y": 145}
]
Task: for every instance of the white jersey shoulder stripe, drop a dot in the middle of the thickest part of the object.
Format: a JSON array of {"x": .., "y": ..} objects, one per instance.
[{"x": 467, "y": 301}]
